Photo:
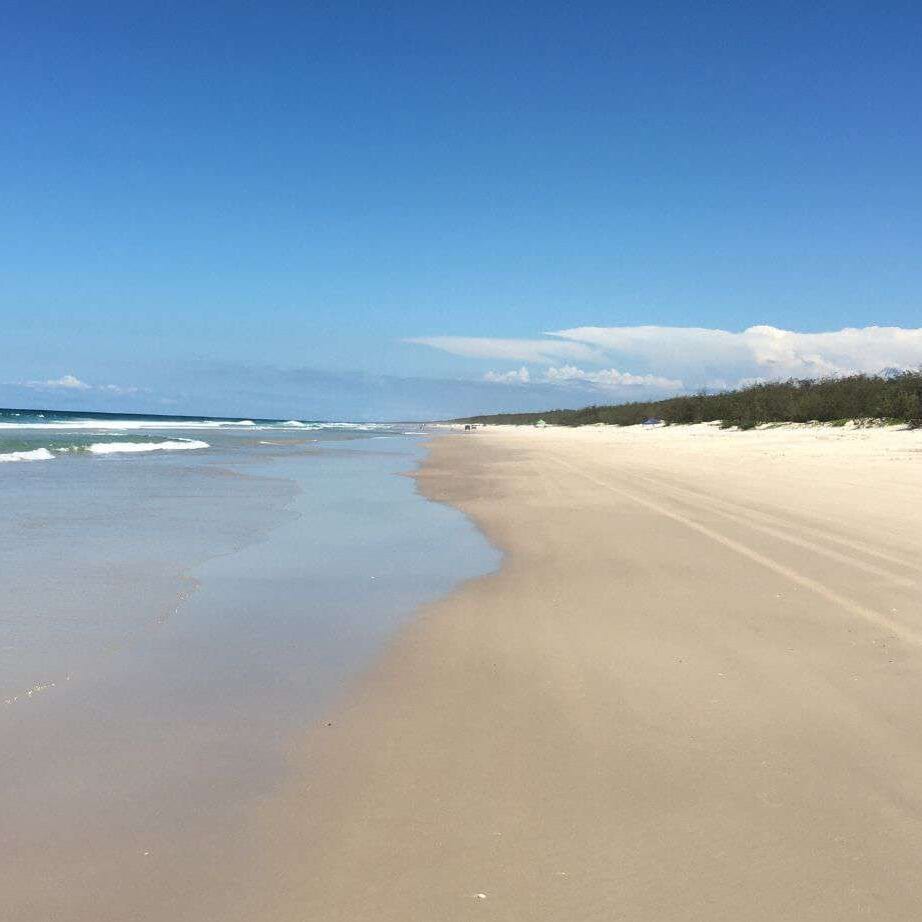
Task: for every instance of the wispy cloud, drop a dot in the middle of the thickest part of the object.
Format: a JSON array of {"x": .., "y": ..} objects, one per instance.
[
  {"x": 539, "y": 351},
  {"x": 608, "y": 378},
  {"x": 569, "y": 375},
  {"x": 675, "y": 358},
  {"x": 73, "y": 383},
  {"x": 64, "y": 383},
  {"x": 119, "y": 389},
  {"x": 522, "y": 376}
]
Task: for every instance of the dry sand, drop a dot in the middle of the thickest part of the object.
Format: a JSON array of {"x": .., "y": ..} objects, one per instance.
[{"x": 693, "y": 691}]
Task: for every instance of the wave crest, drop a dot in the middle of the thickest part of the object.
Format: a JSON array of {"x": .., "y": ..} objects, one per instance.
[
  {"x": 37, "y": 454},
  {"x": 112, "y": 448}
]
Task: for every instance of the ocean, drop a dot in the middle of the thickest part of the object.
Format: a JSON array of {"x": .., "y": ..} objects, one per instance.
[{"x": 181, "y": 598}]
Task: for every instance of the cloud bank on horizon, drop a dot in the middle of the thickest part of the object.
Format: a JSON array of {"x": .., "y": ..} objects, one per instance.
[{"x": 661, "y": 358}]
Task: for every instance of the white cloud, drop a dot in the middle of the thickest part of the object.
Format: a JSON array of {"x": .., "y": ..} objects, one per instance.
[
  {"x": 73, "y": 383},
  {"x": 522, "y": 376},
  {"x": 540, "y": 351},
  {"x": 64, "y": 383},
  {"x": 604, "y": 379},
  {"x": 119, "y": 389},
  {"x": 673, "y": 358},
  {"x": 762, "y": 351},
  {"x": 609, "y": 378}
]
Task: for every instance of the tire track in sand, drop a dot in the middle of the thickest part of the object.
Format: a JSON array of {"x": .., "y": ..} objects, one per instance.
[
  {"x": 744, "y": 515},
  {"x": 869, "y": 615}
]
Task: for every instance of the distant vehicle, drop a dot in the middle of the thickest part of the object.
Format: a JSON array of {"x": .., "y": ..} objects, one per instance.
[
  {"x": 540, "y": 424},
  {"x": 652, "y": 421}
]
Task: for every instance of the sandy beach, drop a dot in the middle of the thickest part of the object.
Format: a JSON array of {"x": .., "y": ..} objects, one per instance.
[
  {"x": 461, "y": 463},
  {"x": 691, "y": 692}
]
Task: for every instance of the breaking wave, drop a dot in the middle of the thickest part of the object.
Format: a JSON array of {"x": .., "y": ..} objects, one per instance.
[
  {"x": 128, "y": 424},
  {"x": 113, "y": 448},
  {"x": 37, "y": 454}
]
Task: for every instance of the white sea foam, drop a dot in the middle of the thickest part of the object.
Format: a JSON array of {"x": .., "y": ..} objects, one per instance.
[
  {"x": 37, "y": 454},
  {"x": 111, "y": 448},
  {"x": 369, "y": 426},
  {"x": 129, "y": 424},
  {"x": 132, "y": 425}
]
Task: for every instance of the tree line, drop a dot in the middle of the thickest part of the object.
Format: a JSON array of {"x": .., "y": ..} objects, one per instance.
[{"x": 894, "y": 398}]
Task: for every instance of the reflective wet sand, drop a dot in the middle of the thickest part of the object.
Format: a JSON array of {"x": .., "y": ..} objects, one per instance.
[{"x": 124, "y": 790}]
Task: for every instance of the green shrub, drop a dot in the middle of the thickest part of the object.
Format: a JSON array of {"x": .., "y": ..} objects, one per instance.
[{"x": 896, "y": 397}]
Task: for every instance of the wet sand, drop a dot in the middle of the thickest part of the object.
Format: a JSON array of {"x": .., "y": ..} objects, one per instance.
[
  {"x": 126, "y": 789},
  {"x": 691, "y": 692}
]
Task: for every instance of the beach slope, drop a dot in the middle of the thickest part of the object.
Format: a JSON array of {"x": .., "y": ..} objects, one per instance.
[{"x": 691, "y": 692}]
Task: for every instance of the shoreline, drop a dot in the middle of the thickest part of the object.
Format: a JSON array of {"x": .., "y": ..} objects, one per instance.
[
  {"x": 687, "y": 693},
  {"x": 129, "y": 795}
]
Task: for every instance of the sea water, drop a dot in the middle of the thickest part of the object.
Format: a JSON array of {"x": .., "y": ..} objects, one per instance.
[{"x": 179, "y": 598}]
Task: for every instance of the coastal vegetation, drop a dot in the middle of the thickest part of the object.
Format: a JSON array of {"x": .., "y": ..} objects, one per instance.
[{"x": 895, "y": 398}]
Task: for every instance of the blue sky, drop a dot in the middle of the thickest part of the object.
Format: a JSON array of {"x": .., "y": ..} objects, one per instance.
[{"x": 379, "y": 210}]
